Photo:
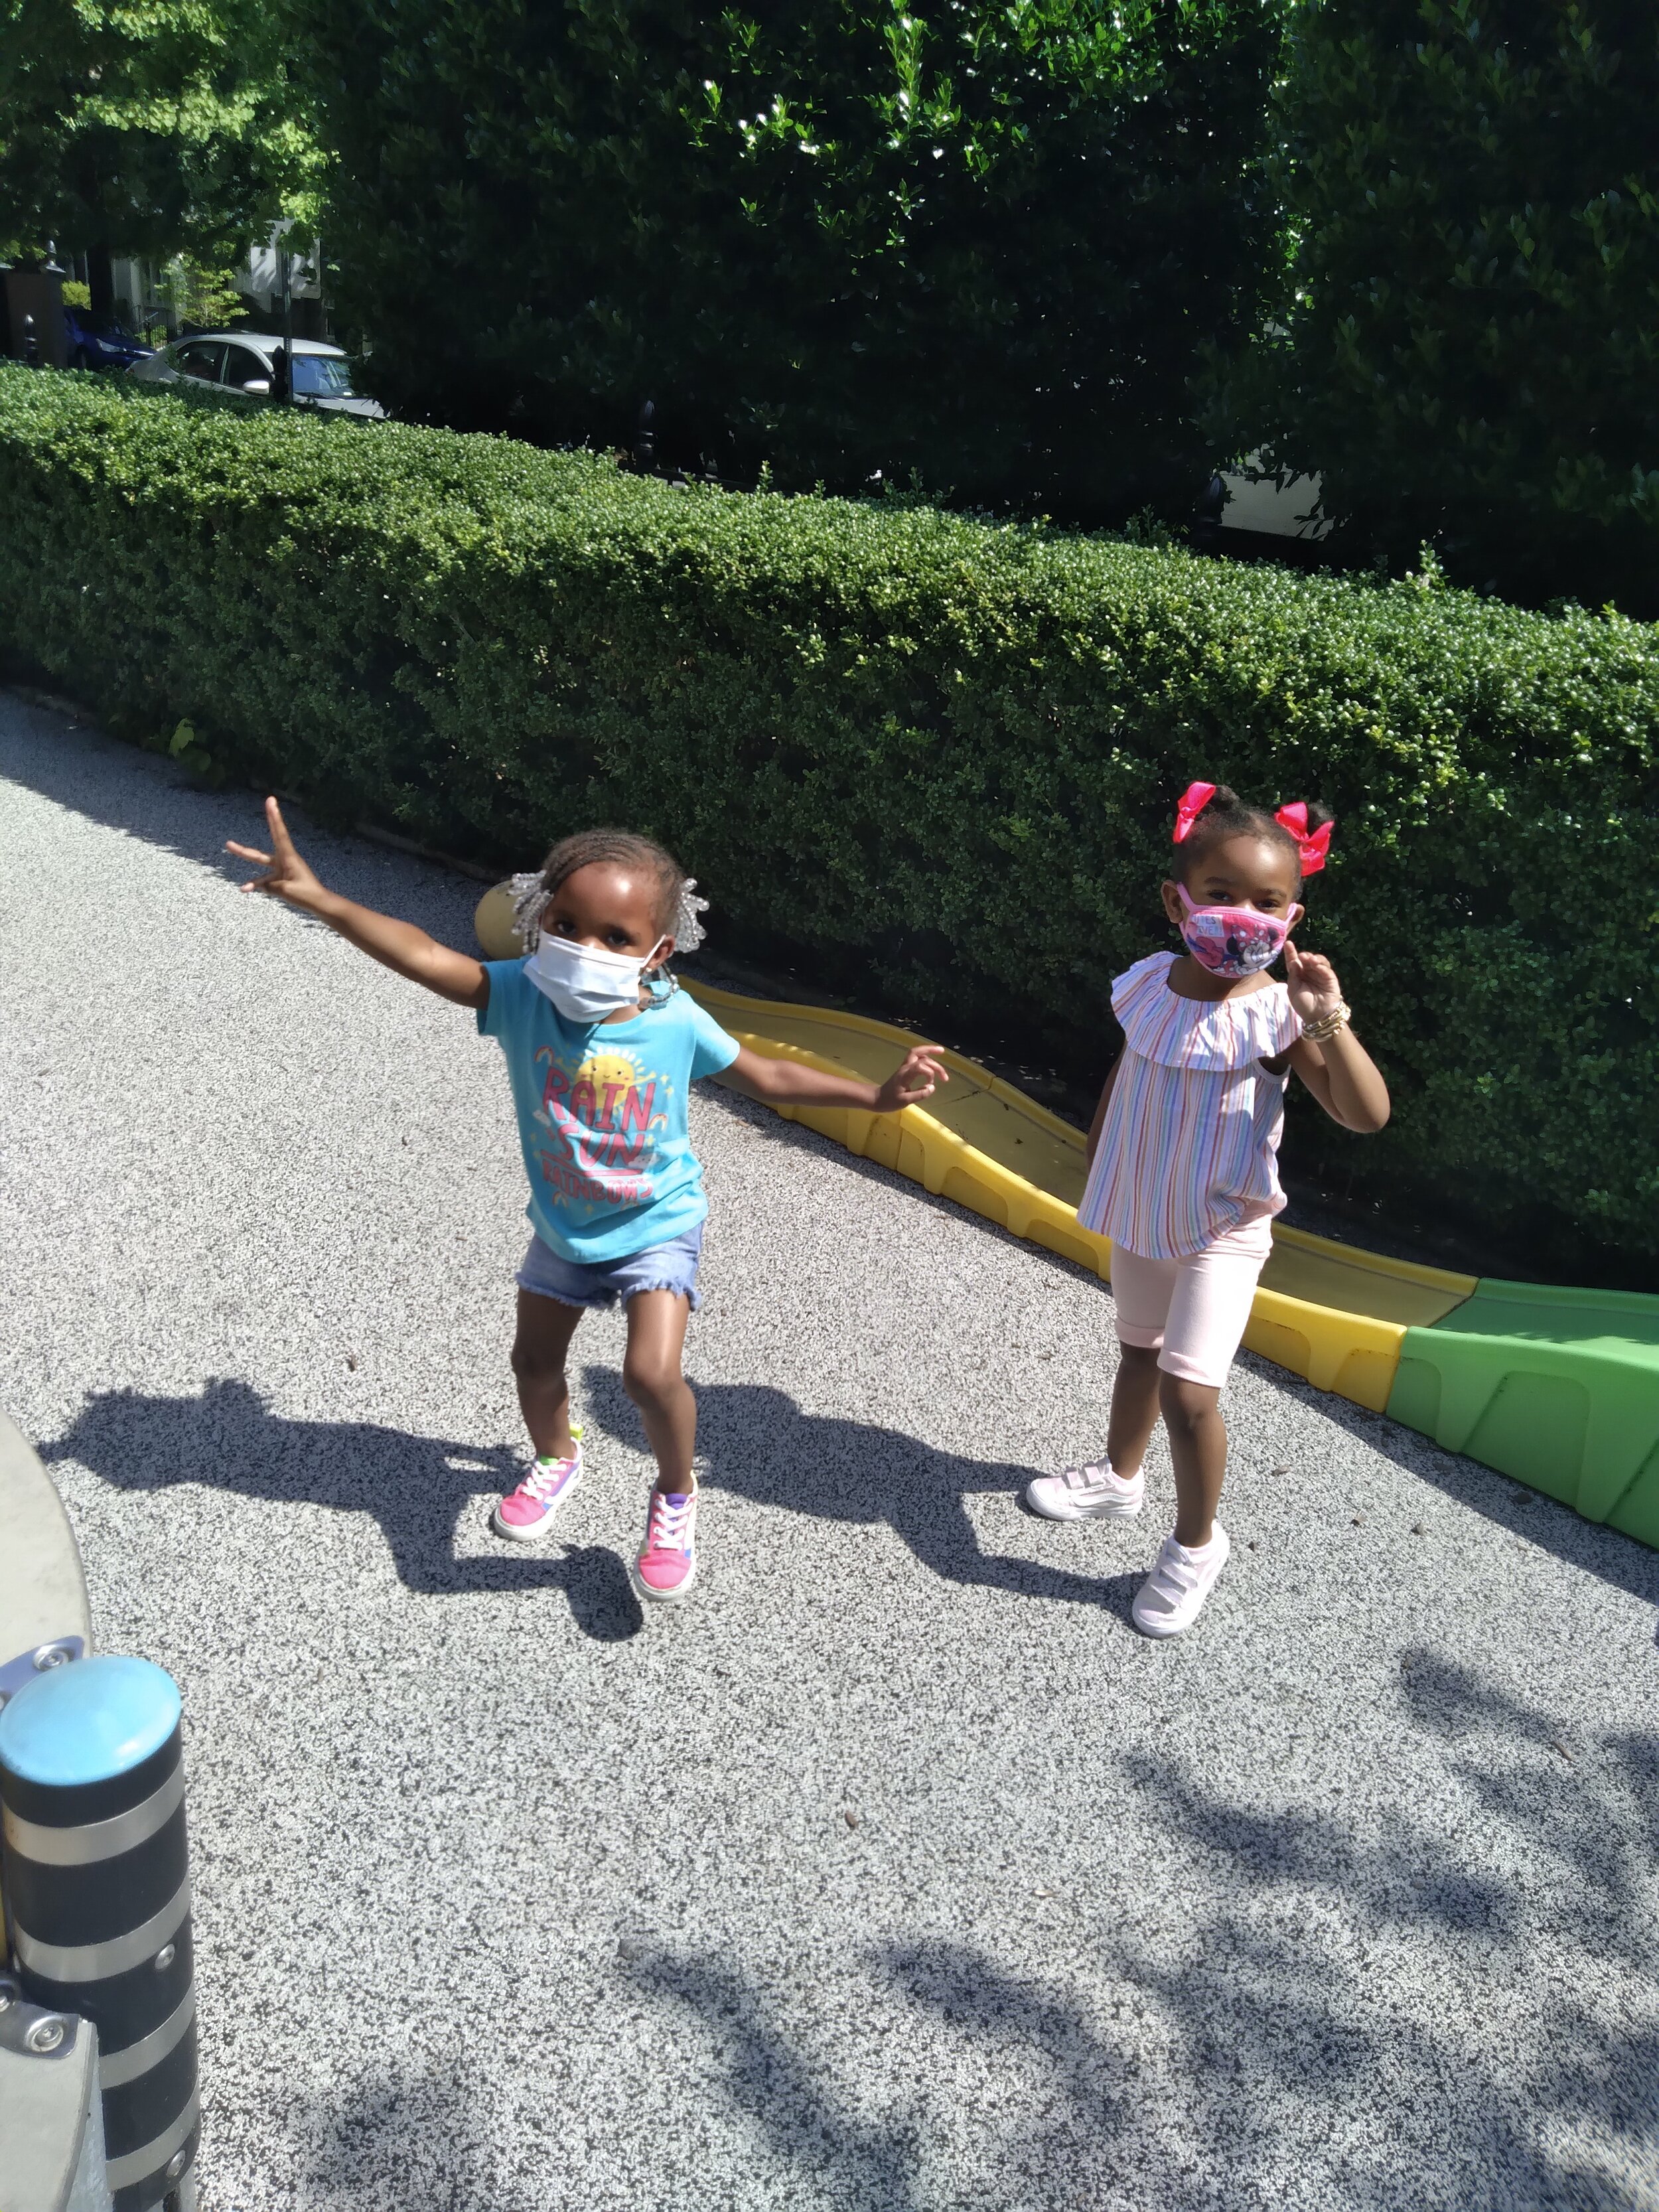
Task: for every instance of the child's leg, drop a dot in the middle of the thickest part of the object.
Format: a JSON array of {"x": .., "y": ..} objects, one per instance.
[
  {"x": 546, "y": 1329},
  {"x": 546, "y": 1326},
  {"x": 1141, "y": 1290},
  {"x": 667, "y": 1564},
  {"x": 1198, "y": 1448},
  {"x": 1135, "y": 1408},
  {"x": 651, "y": 1376},
  {"x": 1208, "y": 1313}
]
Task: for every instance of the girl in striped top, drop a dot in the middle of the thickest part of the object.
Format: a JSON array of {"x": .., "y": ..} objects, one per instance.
[{"x": 1183, "y": 1173}]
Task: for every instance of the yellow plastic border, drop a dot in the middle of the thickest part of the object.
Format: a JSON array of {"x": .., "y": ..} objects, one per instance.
[{"x": 1348, "y": 1350}]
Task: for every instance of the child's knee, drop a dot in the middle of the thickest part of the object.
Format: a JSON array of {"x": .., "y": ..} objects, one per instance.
[
  {"x": 1185, "y": 1405},
  {"x": 537, "y": 1364},
  {"x": 651, "y": 1382}
]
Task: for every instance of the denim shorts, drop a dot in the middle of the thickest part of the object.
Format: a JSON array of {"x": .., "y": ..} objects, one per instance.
[{"x": 670, "y": 1266}]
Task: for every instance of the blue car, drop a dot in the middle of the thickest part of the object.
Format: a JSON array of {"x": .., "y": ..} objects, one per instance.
[{"x": 99, "y": 345}]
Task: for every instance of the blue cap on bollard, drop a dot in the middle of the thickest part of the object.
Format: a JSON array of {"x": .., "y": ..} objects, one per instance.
[{"x": 88, "y": 1722}]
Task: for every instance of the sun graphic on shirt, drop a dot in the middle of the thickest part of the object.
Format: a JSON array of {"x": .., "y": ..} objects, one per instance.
[
  {"x": 607, "y": 1070},
  {"x": 612, "y": 1090}
]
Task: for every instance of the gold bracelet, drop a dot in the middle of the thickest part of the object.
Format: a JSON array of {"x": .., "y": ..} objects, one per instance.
[{"x": 1320, "y": 1030}]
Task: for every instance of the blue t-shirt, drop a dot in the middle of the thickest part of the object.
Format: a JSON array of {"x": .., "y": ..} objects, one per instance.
[{"x": 601, "y": 1114}]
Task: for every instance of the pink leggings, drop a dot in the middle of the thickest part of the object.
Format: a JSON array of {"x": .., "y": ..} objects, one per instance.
[{"x": 1192, "y": 1312}]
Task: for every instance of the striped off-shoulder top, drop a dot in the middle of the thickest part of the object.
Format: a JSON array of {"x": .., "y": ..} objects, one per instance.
[{"x": 1190, "y": 1148}]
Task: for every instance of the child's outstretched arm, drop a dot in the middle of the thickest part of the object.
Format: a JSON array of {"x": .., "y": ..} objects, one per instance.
[
  {"x": 787, "y": 1082},
  {"x": 1338, "y": 1070},
  {"x": 395, "y": 944}
]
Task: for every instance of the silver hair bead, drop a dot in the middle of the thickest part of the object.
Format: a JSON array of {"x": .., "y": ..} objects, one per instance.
[
  {"x": 689, "y": 932},
  {"x": 530, "y": 897}
]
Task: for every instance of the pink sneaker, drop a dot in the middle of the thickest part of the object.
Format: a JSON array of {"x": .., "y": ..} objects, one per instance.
[
  {"x": 668, "y": 1567},
  {"x": 527, "y": 1512}
]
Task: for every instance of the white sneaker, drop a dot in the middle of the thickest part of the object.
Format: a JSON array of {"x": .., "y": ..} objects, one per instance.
[
  {"x": 1172, "y": 1596},
  {"x": 1087, "y": 1493}
]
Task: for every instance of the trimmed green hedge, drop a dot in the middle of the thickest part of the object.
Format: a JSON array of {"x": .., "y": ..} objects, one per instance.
[{"x": 939, "y": 752}]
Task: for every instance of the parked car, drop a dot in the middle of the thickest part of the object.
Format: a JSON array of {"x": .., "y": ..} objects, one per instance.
[
  {"x": 89, "y": 344},
  {"x": 247, "y": 361}
]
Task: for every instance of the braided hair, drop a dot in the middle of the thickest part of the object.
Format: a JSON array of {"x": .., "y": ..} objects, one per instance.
[
  {"x": 1225, "y": 814},
  {"x": 677, "y": 906}
]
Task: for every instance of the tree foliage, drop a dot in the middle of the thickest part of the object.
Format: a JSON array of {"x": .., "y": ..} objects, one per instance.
[
  {"x": 147, "y": 127},
  {"x": 1472, "y": 347},
  {"x": 982, "y": 242}
]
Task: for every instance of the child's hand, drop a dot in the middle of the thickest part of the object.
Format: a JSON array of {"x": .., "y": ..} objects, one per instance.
[
  {"x": 912, "y": 1080},
  {"x": 1311, "y": 981},
  {"x": 286, "y": 877},
  {"x": 397, "y": 944}
]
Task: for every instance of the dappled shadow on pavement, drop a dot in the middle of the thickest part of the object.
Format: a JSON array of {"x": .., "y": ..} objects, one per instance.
[
  {"x": 756, "y": 1442},
  {"x": 430, "y": 2142},
  {"x": 1451, "y": 2005},
  {"x": 1483, "y": 1964},
  {"x": 417, "y": 1487},
  {"x": 832, "y": 2156}
]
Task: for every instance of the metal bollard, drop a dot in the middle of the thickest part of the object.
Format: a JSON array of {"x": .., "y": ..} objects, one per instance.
[{"x": 97, "y": 1887}]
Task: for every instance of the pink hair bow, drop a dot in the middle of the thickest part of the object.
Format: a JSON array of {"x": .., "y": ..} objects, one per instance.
[
  {"x": 1194, "y": 800},
  {"x": 1315, "y": 849}
]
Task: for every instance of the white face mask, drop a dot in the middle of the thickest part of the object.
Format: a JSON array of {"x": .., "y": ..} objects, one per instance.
[{"x": 584, "y": 982}]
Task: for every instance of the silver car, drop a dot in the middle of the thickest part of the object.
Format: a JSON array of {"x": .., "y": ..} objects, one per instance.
[{"x": 244, "y": 362}]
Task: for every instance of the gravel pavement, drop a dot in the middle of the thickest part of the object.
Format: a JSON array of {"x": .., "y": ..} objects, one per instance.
[{"x": 895, "y": 1873}]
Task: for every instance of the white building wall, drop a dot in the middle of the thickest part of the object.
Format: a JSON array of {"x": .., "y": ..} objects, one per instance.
[{"x": 258, "y": 278}]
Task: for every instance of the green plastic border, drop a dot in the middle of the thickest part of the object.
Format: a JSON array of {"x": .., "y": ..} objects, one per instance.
[{"x": 1558, "y": 1389}]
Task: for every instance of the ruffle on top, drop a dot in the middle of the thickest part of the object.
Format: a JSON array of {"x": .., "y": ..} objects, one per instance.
[
  {"x": 1189, "y": 1148},
  {"x": 1207, "y": 1037}
]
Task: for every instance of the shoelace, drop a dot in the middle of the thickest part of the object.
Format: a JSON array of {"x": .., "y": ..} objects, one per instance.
[
  {"x": 542, "y": 1483},
  {"x": 664, "y": 1531}
]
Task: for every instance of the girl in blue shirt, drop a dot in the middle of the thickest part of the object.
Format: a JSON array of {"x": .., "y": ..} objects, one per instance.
[{"x": 601, "y": 1048}]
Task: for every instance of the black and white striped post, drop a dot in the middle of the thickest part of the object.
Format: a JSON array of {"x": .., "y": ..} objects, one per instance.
[{"x": 97, "y": 1887}]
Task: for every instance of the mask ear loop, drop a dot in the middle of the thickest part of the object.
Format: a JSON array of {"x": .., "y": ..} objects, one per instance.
[{"x": 659, "y": 985}]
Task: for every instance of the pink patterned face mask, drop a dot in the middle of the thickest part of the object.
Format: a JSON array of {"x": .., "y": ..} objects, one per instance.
[{"x": 1233, "y": 940}]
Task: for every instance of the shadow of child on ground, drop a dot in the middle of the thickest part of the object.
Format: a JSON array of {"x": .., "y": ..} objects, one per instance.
[
  {"x": 417, "y": 1487},
  {"x": 755, "y": 1442}
]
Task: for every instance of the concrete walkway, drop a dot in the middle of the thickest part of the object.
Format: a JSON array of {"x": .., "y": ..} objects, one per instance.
[{"x": 896, "y": 1875}]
